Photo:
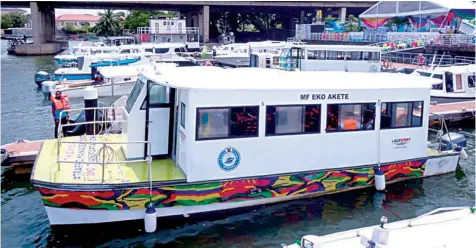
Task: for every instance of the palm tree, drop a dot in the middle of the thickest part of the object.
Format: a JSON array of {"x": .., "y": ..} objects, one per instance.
[{"x": 109, "y": 24}]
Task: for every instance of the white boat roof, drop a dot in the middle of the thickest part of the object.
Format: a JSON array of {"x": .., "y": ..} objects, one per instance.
[
  {"x": 453, "y": 69},
  {"x": 340, "y": 47},
  {"x": 162, "y": 45},
  {"x": 117, "y": 71},
  {"x": 215, "y": 78}
]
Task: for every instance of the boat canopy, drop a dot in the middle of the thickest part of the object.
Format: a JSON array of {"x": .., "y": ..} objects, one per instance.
[{"x": 389, "y": 9}]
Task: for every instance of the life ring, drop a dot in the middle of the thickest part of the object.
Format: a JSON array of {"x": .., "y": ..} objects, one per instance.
[{"x": 386, "y": 64}]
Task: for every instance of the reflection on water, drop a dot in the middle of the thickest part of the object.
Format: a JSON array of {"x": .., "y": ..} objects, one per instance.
[{"x": 26, "y": 115}]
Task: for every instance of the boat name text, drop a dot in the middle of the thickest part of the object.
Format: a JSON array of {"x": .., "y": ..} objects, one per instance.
[{"x": 323, "y": 96}]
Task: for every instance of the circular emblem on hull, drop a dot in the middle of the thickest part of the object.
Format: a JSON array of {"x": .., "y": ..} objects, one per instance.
[{"x": 229, "y": 158}]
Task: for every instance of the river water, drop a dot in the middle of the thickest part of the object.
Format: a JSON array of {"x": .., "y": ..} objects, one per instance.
[{"x": 26, "y": 115}]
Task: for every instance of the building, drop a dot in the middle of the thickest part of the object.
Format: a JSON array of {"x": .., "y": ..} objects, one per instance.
[{"x": 76, "y": 20}]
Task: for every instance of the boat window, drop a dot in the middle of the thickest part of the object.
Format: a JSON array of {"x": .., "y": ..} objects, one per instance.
[
  {"x": 158, "y": 96},
  {"x": 449, "y": 81},
  {"x": 316, "y": 55},
  {"x": 350, "y": 117},
  {"x": 131, "y": 99},
  {"x": 459, "y": 84},
  {"x": 375, "y": 56},
  {"x": 161, "y": 50},
  {"x": 437, "y": 86},
  {"x": 177, "y": 50},
  {"x": 296, "y": 119},
  {"x": 126, "y": 51},
  {"x": 438, "y": 76},
  {"x": 182, "y": 114},
  {"x": 471, "y": 80},
  {"x": 401, "y": 115},
  {"x": 230, "y": 122},
  {"x": 331, "y": 55},
  {"x": 354, "y": 56},
  {"x": 424, "y": 74},
  {"x": 149, "y": 50}
]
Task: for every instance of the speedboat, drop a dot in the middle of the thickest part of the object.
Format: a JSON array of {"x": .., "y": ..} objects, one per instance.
[{"x": 456, "y": 83}]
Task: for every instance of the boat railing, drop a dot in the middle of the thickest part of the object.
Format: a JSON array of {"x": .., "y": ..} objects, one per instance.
[
  {"x": 106, "y": 155},
  {"x": 430, "y": 59}
]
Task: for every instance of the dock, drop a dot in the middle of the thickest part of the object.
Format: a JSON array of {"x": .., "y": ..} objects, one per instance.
[
  {"x": 451, "y": 112},
  {"x": 21, "y": 155}
]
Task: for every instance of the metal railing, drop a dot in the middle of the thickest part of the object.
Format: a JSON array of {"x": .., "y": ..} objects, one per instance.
[
  {"x": 105, "y": 155},
  {"x": 453, "y": 40},
  {"x": 430, "y": 59},
  {"x": 175, "y": 30}
]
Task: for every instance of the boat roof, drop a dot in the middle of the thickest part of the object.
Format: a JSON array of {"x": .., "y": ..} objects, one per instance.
[
  {"x": 162, "y": 45},
  {"x": 120, "y": 37},
  {"x": 116, "y": 71},
  {"x": 340, "y": 47},
  {"x": 215, "y": 78},
  {"x": 453, "y": 69}
]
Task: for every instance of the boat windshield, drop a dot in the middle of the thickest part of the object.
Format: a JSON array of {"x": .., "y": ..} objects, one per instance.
[{"x": 135, "y": 92}]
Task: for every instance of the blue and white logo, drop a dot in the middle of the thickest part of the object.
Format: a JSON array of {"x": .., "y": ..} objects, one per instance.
[{"x": 229, "y": 158}]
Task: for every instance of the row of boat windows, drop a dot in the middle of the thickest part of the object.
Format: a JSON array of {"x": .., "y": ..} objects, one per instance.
[
  {"x": 165, "y": 50},
  {"x": 342, "y": 55},
  {"x": 241, "y": 122}
]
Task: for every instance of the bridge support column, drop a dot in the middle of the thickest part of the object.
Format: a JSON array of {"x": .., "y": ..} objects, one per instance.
[
  {"x": 301, "y": 17},
  {"x": 43, "y": 29},
  {"x": 204, "y": 23},
  {"x": 342, "y": 14}
]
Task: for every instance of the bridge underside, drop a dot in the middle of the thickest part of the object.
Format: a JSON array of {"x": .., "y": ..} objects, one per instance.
[{"x": 206, "y": 15}]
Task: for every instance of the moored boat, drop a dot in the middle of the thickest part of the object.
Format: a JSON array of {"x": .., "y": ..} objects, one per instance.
[{"x": 212, "y": 146}]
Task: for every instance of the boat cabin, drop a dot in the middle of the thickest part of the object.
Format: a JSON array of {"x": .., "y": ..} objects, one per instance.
[
  {"x": 215, "y": 130},
  {"x": 455, "y": 82},
  {"x": 320, "y": 58},
  {"x": 120, "y": 40},
  {"x": 170, "y": 31}
]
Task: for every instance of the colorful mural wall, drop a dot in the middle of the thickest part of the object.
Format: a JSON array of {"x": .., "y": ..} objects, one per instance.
[{"x": 230, "y": 191}]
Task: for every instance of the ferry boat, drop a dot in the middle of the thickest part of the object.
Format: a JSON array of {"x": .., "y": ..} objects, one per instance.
[
  {"x": 456, "y": 83},
  {"x": 187, "y": 143},
  {"x": 320, "y": 58},
  {"x": 239, "y": 53}
]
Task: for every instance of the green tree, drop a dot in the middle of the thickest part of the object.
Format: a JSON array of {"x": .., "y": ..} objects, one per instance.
[
  {"x": 109, "y": 24},
  {"x": 14, "y": 20}
]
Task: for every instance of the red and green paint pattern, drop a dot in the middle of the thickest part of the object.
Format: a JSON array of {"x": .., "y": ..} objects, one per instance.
[{"x": 230, "y": 191}]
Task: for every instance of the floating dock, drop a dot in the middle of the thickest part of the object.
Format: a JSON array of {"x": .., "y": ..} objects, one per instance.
[
  {"x": 452, "y": 112},
  {"x": 21, "y": 155}
]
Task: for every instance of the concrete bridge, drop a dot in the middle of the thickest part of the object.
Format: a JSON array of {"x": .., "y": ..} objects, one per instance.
[{"x": 197, "y": 13}]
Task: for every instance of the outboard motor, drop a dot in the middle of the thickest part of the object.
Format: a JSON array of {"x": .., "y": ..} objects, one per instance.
[
  {"x": 46, "y": 88},
  {"x": 456, "y": 138},
  {"x": 41, "y": 76}
]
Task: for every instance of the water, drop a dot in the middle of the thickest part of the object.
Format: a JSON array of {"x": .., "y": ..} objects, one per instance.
[{"x": 26, "y": 115}]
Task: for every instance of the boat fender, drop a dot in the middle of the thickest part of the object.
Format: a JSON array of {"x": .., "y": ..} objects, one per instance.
[
  {"x": 150, "y": 219},
  {"x": 380, "y": 234},
  {"x": 311, "y": 241},
  {"x": 379, "y": 179},
  {"x": 462, "y": 153}
]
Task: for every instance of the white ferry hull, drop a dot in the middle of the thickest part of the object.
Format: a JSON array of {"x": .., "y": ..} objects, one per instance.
[{"x": 66, "y": 207}]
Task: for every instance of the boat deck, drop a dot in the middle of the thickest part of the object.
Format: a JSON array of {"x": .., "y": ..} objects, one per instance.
[{"x": 82, "y": 163}]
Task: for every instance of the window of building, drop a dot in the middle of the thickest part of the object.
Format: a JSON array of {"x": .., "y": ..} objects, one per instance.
[
  {"x": 350, "y": 117},
  {"x": 182, "y": 114},
  {"x": 229, "y": 122},
  {"x": 401, "y": 115},
  {"x": 296, "y": 119}
]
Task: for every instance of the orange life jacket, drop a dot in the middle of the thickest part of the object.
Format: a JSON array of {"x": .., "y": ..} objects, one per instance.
[
  {"x": 350, "y": 124},
  {"x": 59, "y": 105}
]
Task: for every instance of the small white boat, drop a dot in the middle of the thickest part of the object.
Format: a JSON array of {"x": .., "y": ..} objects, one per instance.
[
  {"x": 443, "y": 227},
  {"x": 238, "y": 54},
  {"x": 456, "y": 83}
]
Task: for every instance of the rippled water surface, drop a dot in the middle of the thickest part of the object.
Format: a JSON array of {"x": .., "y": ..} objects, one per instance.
[{"x": 26, "y": 115}]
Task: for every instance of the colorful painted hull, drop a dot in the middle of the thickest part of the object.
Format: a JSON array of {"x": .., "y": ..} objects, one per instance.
[{"x": 96, "y": 206}]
